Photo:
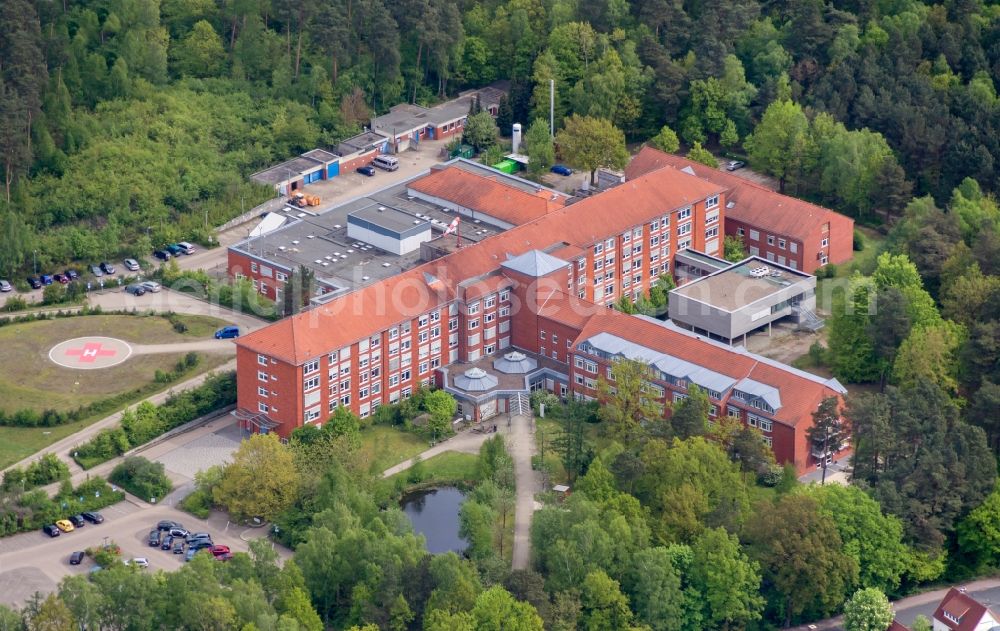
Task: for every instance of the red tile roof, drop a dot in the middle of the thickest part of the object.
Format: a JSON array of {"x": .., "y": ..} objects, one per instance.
[
  {"x": 897, "y": 626},
  {"x": 488, "y": 195},
  {"x": 962, "y": 606},
  {"x": 376, "y": 307},
  {"x": 800, "y": 394},
  {"x": 751, "y": 203}
]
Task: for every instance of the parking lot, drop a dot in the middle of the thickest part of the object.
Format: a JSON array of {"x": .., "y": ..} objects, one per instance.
[{"x": 33, "y": 561}]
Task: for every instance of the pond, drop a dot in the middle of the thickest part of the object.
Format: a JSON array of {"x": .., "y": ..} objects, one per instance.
[{"x": 434, "y": 514}]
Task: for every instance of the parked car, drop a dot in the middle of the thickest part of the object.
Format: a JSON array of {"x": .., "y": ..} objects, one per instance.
[
  {"x": 154, "y": 538},
  {"x": 138, "y": 562},
  {"x": 220, "y": 550},
  {"x": 5, "y": 286},
  {"x": 186, "y": 247},
  {"x": 177, "y": 531},
  {"x": 227, "y": 332},
  {"x": 92, "y": 517},
  {"x": 178, "y": 547},
  {"x": 174, "y": 249},
  {"x": 131, "y": 265},
  {"x": 198, "y": 544},
  {"x": 167, "y": 542},
  {"x": 107, "y": 267},
  {"x": 561, "y": 169},
  {"x": 151, "y": 286},
  {"x": 135, "y": 289},
  {"x": 96, "y": 271},
  {"x": 166, "y": 524},
  {"x": 163, "y": 255},
  {"x": 733, "y": 165},
  {"x": 72, "y": 274},
  {"x": 47, "y": 279},
  {"x": 34, "y": 282},
  {"x": 190, "y": 553},
  {"x": 61, "y": 278},
  {"x": 65, "y": 525},
  {"x": 77, "y": 521},
  {"x": 76, "y": 557},
  {"x": 367, "y": 169},
  {"x": 199, "y": 536},
  {"x": 51, "y": 530}
]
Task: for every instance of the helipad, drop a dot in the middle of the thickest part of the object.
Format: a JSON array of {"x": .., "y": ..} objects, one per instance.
[{"x": 87, "y": 353}]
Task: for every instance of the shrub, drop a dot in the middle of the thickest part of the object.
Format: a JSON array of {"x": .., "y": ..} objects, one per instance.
[
  {"x": 147, "y": 421},
  {"x": 198, "y": 503},
  {"x": 142, "y": 478},
  {"x": 859, "y": 241},
  {"x": 15, "y": 303}
]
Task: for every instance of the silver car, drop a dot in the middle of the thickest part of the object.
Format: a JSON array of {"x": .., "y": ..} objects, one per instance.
[
  {"x": 5, "y": 286},
  {"x": 131, "y": 265},
  {"x": 151, "y": 286}
]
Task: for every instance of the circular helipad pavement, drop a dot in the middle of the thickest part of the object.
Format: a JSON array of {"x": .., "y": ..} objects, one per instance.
[{"x": 88, "y": 353}]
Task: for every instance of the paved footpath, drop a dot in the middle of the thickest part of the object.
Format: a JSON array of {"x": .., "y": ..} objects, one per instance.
[
  {"x": 522, "y": 447},
  {"x": 520, "y": 438},
  {"x": 162, "y": 301},
  {"x": 62, "y": 448},
  {"x": 467, "y": 442}
]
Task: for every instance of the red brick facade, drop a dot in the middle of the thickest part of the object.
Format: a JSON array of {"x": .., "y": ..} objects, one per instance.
[{"x": 530, "y": 288}]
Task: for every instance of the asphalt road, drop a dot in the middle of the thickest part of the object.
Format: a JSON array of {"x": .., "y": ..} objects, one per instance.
[{"x": 986, "y": 591}]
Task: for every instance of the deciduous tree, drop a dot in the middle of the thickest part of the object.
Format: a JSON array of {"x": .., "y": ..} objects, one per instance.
[
  {"x": 589, "y": 143},
  {"x": 261, "y": 480},
  {"x": 867, "y": 610}
]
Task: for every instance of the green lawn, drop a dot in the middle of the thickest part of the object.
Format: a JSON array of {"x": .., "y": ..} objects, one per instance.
[
  {"x": 863, "y": 261},
  {"x": 383, "y": 446},
  {"x": 449, "y": 467},
  {"x": 28, "y": 379}
]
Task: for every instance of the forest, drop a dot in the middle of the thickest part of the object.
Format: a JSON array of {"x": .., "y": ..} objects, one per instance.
[{"x": 128, "y": 123}]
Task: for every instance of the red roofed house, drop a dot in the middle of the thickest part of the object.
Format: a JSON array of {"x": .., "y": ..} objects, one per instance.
[
  {"x": 960, "y": 612},
  {"x": 780, "y": 228}
]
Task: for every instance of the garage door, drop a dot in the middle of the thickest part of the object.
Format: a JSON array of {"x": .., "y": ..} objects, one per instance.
[
  {"x": 333, "y": 170},
  {"x": 315, "y": 176}
]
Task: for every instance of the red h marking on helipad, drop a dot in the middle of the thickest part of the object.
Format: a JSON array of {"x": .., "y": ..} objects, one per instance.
[{"x": 91, "y": 351}]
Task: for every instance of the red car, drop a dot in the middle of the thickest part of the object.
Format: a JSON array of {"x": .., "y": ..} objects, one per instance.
[
  {"x": 61, "y": 278},
  {"x": 218, "y": 551}
]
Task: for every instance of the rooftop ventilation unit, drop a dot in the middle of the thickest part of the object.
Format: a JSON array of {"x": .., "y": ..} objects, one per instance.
[
  {"x": 295, "y": 242},
  {"x": 281, "y": 247},
  {"x": 336, "y": 226},
  {"x": 318, "y": 261},
  {"x": 366, "y": 278},
  {"x": 311, "y": 236},
  {"x": 350, "y": 251},
  {"x": 386, "y": 264},
  {"x": 759, "y": 272},
  {"x": 301, "y": 215},
  {"x": 381, "y": 208},
  {"x": 417, "y": 222}
]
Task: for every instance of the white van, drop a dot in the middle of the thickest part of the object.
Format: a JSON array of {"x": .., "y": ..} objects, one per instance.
[{"x": 387, "y": 163}]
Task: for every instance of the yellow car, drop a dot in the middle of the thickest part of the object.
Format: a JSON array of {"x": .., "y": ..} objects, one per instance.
[{"x": 64, "y": 525}]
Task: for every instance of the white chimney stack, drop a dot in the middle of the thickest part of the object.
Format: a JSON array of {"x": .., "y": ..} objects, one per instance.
[{"x": 516, "y": 142}]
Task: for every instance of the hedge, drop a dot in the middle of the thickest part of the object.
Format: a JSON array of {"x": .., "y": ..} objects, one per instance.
[
  {"x": 45, "y": 470},
  {"x": 34, "y": 509},
  {"x": 147, "y": 421}
]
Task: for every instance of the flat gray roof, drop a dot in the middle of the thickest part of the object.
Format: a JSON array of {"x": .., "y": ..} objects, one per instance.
[
  {"x": 361, "y": 142},
  {"x": 320, "y": 154},
  {"x": 286, "y": 170},
  {"x": 735, "y": 287},
  {"x": 320, "y": 242},
  {"x": 389, "y": 218}
]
